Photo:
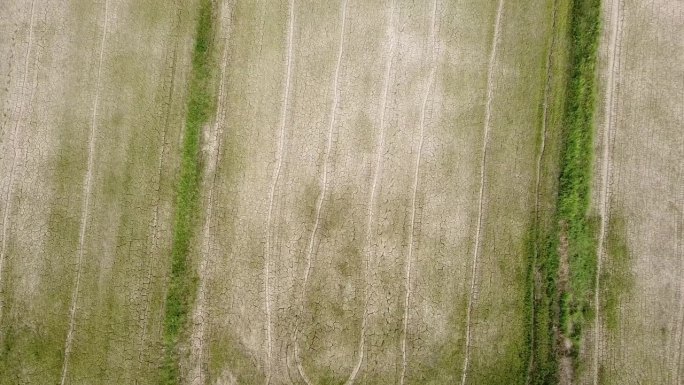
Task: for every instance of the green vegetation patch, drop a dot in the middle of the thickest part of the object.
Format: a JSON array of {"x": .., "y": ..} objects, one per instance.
[
  {"x": 182, "y": 285},
  {"x": 576, "y": 171},
  {"x": 563, "y": 267}
]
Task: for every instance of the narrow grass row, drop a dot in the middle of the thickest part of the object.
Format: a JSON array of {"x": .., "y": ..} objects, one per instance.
[
  {"x": 576, "y": 171},
  {"x": 182, "y": 285},
  {"x": 562, "y": 304}
]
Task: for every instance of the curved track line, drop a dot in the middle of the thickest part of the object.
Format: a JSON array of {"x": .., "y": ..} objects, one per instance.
[
  {"x": 483, "y": 166},
  {"x": 377, "y": 171},
  {"x": 324, "y": 186},
  {"x": 271, "y": 199},
  {"x": 10, "y": 185},
  {"x": 86, "y": 200},
  {"x": 416, "y": 175},
  {"x": 608, "y": 126},
  {"x": 537, "y": 189}
]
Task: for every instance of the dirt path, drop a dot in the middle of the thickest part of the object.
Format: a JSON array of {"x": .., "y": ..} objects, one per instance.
[
  {"x": 324, "y": 187},
  {"x": 377, "y": 171},
  {"x": 483, "y": 166},
  {"x": 10, "y": 184},
  {"x": 608, "y": 126},
  {"x": 86, "y": 199},
  {"x": 416, "y": 177},
  {"x": 274, "y": 184}
]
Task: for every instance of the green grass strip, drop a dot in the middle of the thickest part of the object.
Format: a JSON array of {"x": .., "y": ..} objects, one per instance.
[
  {"x": 576, "y": 170},
  {"x": 182, "y": 285},
  {"x": 564, "y": 304}
]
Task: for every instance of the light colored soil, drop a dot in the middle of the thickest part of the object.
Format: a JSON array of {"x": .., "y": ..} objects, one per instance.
[
  {"x": 15, "y": 152},
  {"x": 350, "y": 322},
  {"x": 85, "y": 211},
  {"x": 483, "y": 166},
  {"x": 367, "y": 187},
  {"x": 322, "y": 193},
  {"x": 416, "y": 177},
  {"x": 377, "y": 172},
  {"x": 640, "y": 134},
  {"x": 88, "y": 226},
  {"x": 276, "y": 177}
]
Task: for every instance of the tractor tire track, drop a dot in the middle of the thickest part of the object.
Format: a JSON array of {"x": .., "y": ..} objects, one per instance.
[
  {"x": 483, "y": 167},
  {"x": 274, "y": 183},
  {"x": 377, "y": 171},
  {"x": 321, "y": 199},
  {"x": 15, "y": 138},
  {"x": 606, "y": 164},
  {"x": 86, "y": 200},
  {"x": 416, "y": 177}
]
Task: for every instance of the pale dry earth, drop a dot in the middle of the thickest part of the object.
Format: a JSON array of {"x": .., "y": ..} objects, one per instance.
[
  {"x": 639, "y": 195},
  {"x": 310, "y": 186},
  {"x": 368, "y": 185},
  {"x": 90, "y": 141}
]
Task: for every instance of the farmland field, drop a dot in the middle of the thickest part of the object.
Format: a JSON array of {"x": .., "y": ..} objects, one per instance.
[
  {"x": 341, "y": 192},
  {"x": 639, "y": 194}
]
